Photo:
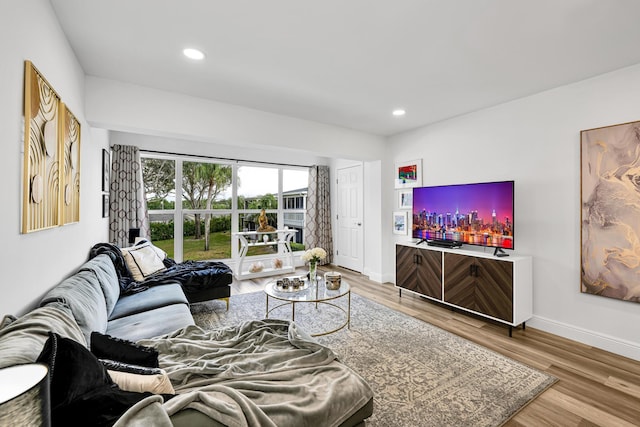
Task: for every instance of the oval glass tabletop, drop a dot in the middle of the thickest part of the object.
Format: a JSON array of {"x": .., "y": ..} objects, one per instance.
[{"x": 307, "y": 292}]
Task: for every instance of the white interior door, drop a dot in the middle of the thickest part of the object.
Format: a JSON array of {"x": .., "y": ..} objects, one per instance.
[{"x": 349, "y": 252}]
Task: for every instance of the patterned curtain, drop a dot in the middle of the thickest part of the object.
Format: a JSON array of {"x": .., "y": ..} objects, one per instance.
[
  {"x": 127, "y": 204},
  {"x": 317, "y": 228}
]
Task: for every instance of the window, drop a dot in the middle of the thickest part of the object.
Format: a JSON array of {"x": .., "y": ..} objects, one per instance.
[
  {"x": 215, "y": 199},
  {"x": 205, "y": 185},
  {"x": 294, "y": 196},
  {"x": 212, "y": 241},
  {"x": 162, "y": 231},
  {"x": 257, "y": 188},
  {"x": 206, "y": 207},
  {"x": 159, "y": 176}
]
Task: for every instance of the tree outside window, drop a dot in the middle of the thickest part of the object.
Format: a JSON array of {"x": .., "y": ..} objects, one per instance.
[{"x": 206, "y": 209}]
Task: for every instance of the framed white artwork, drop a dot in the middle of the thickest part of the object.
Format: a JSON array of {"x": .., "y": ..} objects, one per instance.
[
  {"x": 400, "y": 222},
  {"x": 405, "y": 199},
  {"x": 408, "y": 174}
]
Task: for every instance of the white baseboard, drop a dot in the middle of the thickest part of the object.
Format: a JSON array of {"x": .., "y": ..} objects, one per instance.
[
  {"x": 388, "y": 278},
  {"x": 375, "y": 277},
  {"x": 605, "y": 342},
  {"x": 378, "y": 277}
]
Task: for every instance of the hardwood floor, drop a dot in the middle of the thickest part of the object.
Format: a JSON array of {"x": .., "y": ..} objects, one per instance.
[{"x": 595, "y": 387}]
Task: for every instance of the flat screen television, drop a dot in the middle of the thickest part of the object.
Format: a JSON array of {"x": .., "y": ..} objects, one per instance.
[{"x": 475, "y": 214}]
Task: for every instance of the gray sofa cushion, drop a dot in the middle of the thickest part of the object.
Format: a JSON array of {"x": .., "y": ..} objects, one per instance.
[
  {"x": 151, "y": 323},
  {"x": 149, "y": 299},
  {"x": 108, "y": 278},
  {"x": 82, "y": 292},
  {"x": 23, "y": 340}
]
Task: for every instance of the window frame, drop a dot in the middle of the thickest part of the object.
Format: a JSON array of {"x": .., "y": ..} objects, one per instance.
[{"x": 179, "y": 212}]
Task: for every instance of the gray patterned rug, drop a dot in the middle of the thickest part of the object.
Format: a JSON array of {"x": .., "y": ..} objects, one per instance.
[{"x": 420, "y": 374}]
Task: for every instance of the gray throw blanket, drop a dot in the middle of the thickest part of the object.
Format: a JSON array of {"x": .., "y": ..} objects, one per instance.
[{"x": 258, "y": 373}]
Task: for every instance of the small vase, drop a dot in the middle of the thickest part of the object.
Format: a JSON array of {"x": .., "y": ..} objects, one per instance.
[{"x": 312, "y": 271}]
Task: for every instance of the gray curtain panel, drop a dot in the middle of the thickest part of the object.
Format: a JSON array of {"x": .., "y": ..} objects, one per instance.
[
  {"x": 317, "y": 228},
  {"x": 127, "y": 204}
]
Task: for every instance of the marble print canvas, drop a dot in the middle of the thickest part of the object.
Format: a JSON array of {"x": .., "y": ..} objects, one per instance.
[{"x": 610, "y": 199}]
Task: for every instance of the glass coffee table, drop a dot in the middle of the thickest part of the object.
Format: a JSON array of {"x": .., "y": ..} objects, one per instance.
[{"x": 315, "y": 293}]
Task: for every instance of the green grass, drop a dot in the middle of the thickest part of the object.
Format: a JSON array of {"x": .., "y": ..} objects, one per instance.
[
  {"x": 219, "y": 247},
  {"x": 193, "y": 249}
]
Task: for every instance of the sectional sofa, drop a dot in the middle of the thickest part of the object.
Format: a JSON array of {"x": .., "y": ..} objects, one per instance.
[{"x": 260, "y": 372}]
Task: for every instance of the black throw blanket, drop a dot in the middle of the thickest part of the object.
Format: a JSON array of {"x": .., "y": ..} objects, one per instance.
[
  {"x": 127, "y": 284},
  {"x": 192, "y": 275}
]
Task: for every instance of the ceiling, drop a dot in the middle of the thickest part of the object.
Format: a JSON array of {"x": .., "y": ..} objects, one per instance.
[{"x": 351, "y": 62}]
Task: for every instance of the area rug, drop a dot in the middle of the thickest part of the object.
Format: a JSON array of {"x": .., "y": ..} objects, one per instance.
[{"x": 421, "y": 375}]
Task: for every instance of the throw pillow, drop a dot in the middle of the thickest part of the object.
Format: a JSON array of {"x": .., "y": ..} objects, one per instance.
[
  {"x": 74, "y": 370},
  {"x": 140, "y": 241},
  {"x": 142, "y": 260},
  {"x": 80, "y": 387},
  {"x": 156, "y": 383},
  {"x": 112, "y": 365},
  {"x": 112, "y": 348}
]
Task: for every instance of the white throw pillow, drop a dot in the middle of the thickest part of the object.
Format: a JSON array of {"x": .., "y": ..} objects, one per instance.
[
  {"x": 141, "y": 240},
  {"x": 143, "y": 260},
  {"x": 156, "y": 383}
]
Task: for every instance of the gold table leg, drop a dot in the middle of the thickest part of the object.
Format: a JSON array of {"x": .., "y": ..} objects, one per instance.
[{"x": 349, "y": 309}]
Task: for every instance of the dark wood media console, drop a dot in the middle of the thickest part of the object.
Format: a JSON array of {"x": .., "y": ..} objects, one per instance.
[{"x": 499, "y": 288}]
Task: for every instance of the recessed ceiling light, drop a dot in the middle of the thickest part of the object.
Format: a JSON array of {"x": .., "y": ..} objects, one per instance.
[
  {"x": 193, "y": 54},
  {"x": 399, "y": 112}
]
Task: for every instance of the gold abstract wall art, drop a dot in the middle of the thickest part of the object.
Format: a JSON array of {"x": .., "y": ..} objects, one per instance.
[
  {"x": 51, "y": 169},
  {"x": 70, "y": 188},
  {"x": 610, "y": 211},
  {"x": 41, "y": 184}
]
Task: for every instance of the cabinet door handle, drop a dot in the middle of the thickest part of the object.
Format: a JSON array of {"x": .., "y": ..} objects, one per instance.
[{"x": 473, "y": 270}]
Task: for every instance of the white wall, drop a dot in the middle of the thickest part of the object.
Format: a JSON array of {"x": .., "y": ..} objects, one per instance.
[
  {"x": 536, "y": 142},
  {"x": 374, "y": 224},
  {"x": 33, "y": 263},
  {"x": 129, "y": 108},
  {"x": 197, "y": 148}
]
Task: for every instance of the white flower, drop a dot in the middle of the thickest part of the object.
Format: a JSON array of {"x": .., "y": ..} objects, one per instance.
[{"x": 315, "y": 255}]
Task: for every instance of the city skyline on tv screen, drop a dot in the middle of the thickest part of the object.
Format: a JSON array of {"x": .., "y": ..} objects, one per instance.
[
  {"x": 479, "y": 213},
  {"x": 465, "y": 198}
]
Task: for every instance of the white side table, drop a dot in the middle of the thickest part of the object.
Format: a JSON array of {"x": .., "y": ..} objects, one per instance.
[{"x": 24, "y": 395}]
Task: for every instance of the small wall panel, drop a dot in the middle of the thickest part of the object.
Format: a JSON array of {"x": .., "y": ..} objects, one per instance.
[
  {"x": 41, "y": 175},
  {"x": 70, "y": 188}
]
